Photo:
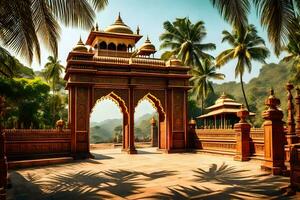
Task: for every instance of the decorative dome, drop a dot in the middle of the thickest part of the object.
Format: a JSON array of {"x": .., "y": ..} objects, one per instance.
[
  {"x": 119, "y": 27},
  {"x": 80, "y": 46},
  {"x": 147, "y": 48},
  {"x": 173, "y": 61}
]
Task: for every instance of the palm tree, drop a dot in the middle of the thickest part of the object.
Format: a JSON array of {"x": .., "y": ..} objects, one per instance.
[
  {"x": 26, "y": 23},
  {"x": 52, "y": 72},
  {"x": 293, "y": 57},
  {"x": 184, "y": 40},
  {"x": 277, "y": 16},
  {"x": 8, "y": 65},
  {"x": 201, "y": 80},
  {"x": 246, "y": 46}
]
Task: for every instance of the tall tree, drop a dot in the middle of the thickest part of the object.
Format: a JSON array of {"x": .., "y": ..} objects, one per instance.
[
  {"x": 277, "y": 16},
  {"x": 185, "y": 40},
  {"x": 293, "y": 57},
  {"x": 26, "y": 23},
  {"x": 246, "y": 46},
  {"x": 202, "y": 80},
  {"x": 52, "y": 72}
]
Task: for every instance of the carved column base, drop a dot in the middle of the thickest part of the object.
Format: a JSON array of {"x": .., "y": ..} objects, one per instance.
[
  {"x": 291, "y": 139},
  {"x": 275, "y": 170},
  {"x": 132, "y": 151},
  {"x": 240, "y": 158}
]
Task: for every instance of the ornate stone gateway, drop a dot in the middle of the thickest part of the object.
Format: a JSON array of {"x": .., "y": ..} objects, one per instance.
[{"x": 108, "y": 69}]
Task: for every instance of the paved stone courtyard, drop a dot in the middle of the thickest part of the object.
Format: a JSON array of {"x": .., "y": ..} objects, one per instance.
[{"x": 147, "y": 175}]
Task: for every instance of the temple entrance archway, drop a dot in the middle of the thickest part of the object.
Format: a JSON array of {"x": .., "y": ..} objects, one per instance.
[{"x": 127, "y": 78}]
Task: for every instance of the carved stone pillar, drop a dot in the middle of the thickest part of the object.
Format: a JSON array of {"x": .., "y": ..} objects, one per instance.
[
  {"x": 297, "y": 101},
  {"x": 154, "y": 133},
  {"x": 291, "y": 137},
  {"x": 242, "y": 130},
  {"x": 131, "y": 148},
  {"x": 273, "y": 136},
  {"x": 192, "y": 134},
  {"x": 3, "y": 160}
]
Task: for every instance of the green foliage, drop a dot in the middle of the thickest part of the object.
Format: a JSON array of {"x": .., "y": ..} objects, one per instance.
[
  {"x": 109, "y": 130},
  {"x": 24, "y": 24},
  {"x": 26, "y": 98},
  {"x": 184, "y": 39},
  {"x": 201, "y": 81},
  {"x": 246, "y": 46},
  {"x": 277, "y": 16}
]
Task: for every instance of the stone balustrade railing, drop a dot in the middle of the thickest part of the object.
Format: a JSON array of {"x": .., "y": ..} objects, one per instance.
[
  {"x": 106, "y": 59},
  {"x": 37, "y": 143},
  {"x": 147, "y": 61}
]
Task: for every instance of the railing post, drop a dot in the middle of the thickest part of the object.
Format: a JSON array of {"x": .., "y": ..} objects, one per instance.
[
  {"x": 242, "y": 130},
  {"x": 3, "y": 160},
  {"x": 273, "y": 136},
  {"x": 291, "y": 137},
  {"x": 192, "y": 134},
  {"x": 154, "y": 133},
  {"x": 297, "y": 101}
]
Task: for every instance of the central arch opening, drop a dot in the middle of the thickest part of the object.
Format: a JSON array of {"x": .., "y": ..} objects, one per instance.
[{"x": 106, "y": 124}]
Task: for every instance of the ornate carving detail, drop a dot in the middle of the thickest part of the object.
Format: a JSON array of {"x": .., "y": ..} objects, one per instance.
[
  {"x": 178, "y": 108},
  {"x": 290, "y": 119}
]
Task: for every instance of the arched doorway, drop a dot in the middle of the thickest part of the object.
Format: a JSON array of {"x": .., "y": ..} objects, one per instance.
[
  {"x": 106, "y": 123},
  {"x": 145, "y": 124},
  {"x": 117, "y": 100},
  {"x": 161, "y": 122}
]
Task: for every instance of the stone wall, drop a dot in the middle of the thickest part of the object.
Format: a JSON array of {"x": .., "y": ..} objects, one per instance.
[{"x": 24, "y": 144}]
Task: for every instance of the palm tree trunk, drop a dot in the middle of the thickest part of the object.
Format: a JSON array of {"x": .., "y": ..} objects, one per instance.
[
  {"x": 202, "y": 105},
  {"x": 244, "y": 94},
  {"x": 53, "y": 107}
]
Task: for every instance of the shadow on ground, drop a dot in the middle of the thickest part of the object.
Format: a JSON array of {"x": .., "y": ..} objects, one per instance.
[
  {"x": 81, "y": 184},
  {"x": 238, "y": 184}
]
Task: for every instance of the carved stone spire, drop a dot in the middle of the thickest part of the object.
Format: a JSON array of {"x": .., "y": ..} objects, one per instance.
[
  {"x": 297, "y": 101},
  {"x": 291, "y": 136}
]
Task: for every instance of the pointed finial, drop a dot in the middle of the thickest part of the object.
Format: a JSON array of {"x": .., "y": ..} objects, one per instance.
[
  {"x": 147, "y": 40},
  {"x": 242, "y": 107},
  {"x": 138, "y": 30},
  {"x": 80, "y": 41},
  {"x": 97, "y": 27},
  {"x": 93, "y": 28},
  {"x": 271, "y": 92}
]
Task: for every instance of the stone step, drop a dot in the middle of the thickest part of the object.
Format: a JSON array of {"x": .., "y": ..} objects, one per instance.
[{"x": 38, "y": 162}]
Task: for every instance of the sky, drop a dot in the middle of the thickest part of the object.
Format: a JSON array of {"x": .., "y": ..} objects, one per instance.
[{"x": 149, "y": 15}]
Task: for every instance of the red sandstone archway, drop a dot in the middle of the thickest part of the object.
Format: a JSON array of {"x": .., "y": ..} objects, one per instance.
[
  {"x": 91, "y": 75},
  {"x": 123, "y": 108}
]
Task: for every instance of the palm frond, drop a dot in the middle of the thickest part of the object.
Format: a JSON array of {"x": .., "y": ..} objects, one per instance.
[
  {"x": 235, "y": 12},
  {"x": 277, "y": 16}
]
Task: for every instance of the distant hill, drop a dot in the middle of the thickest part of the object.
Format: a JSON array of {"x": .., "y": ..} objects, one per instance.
[
  {"x": 105, "y": 131},
  {"x": 257, "y": 90}
]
